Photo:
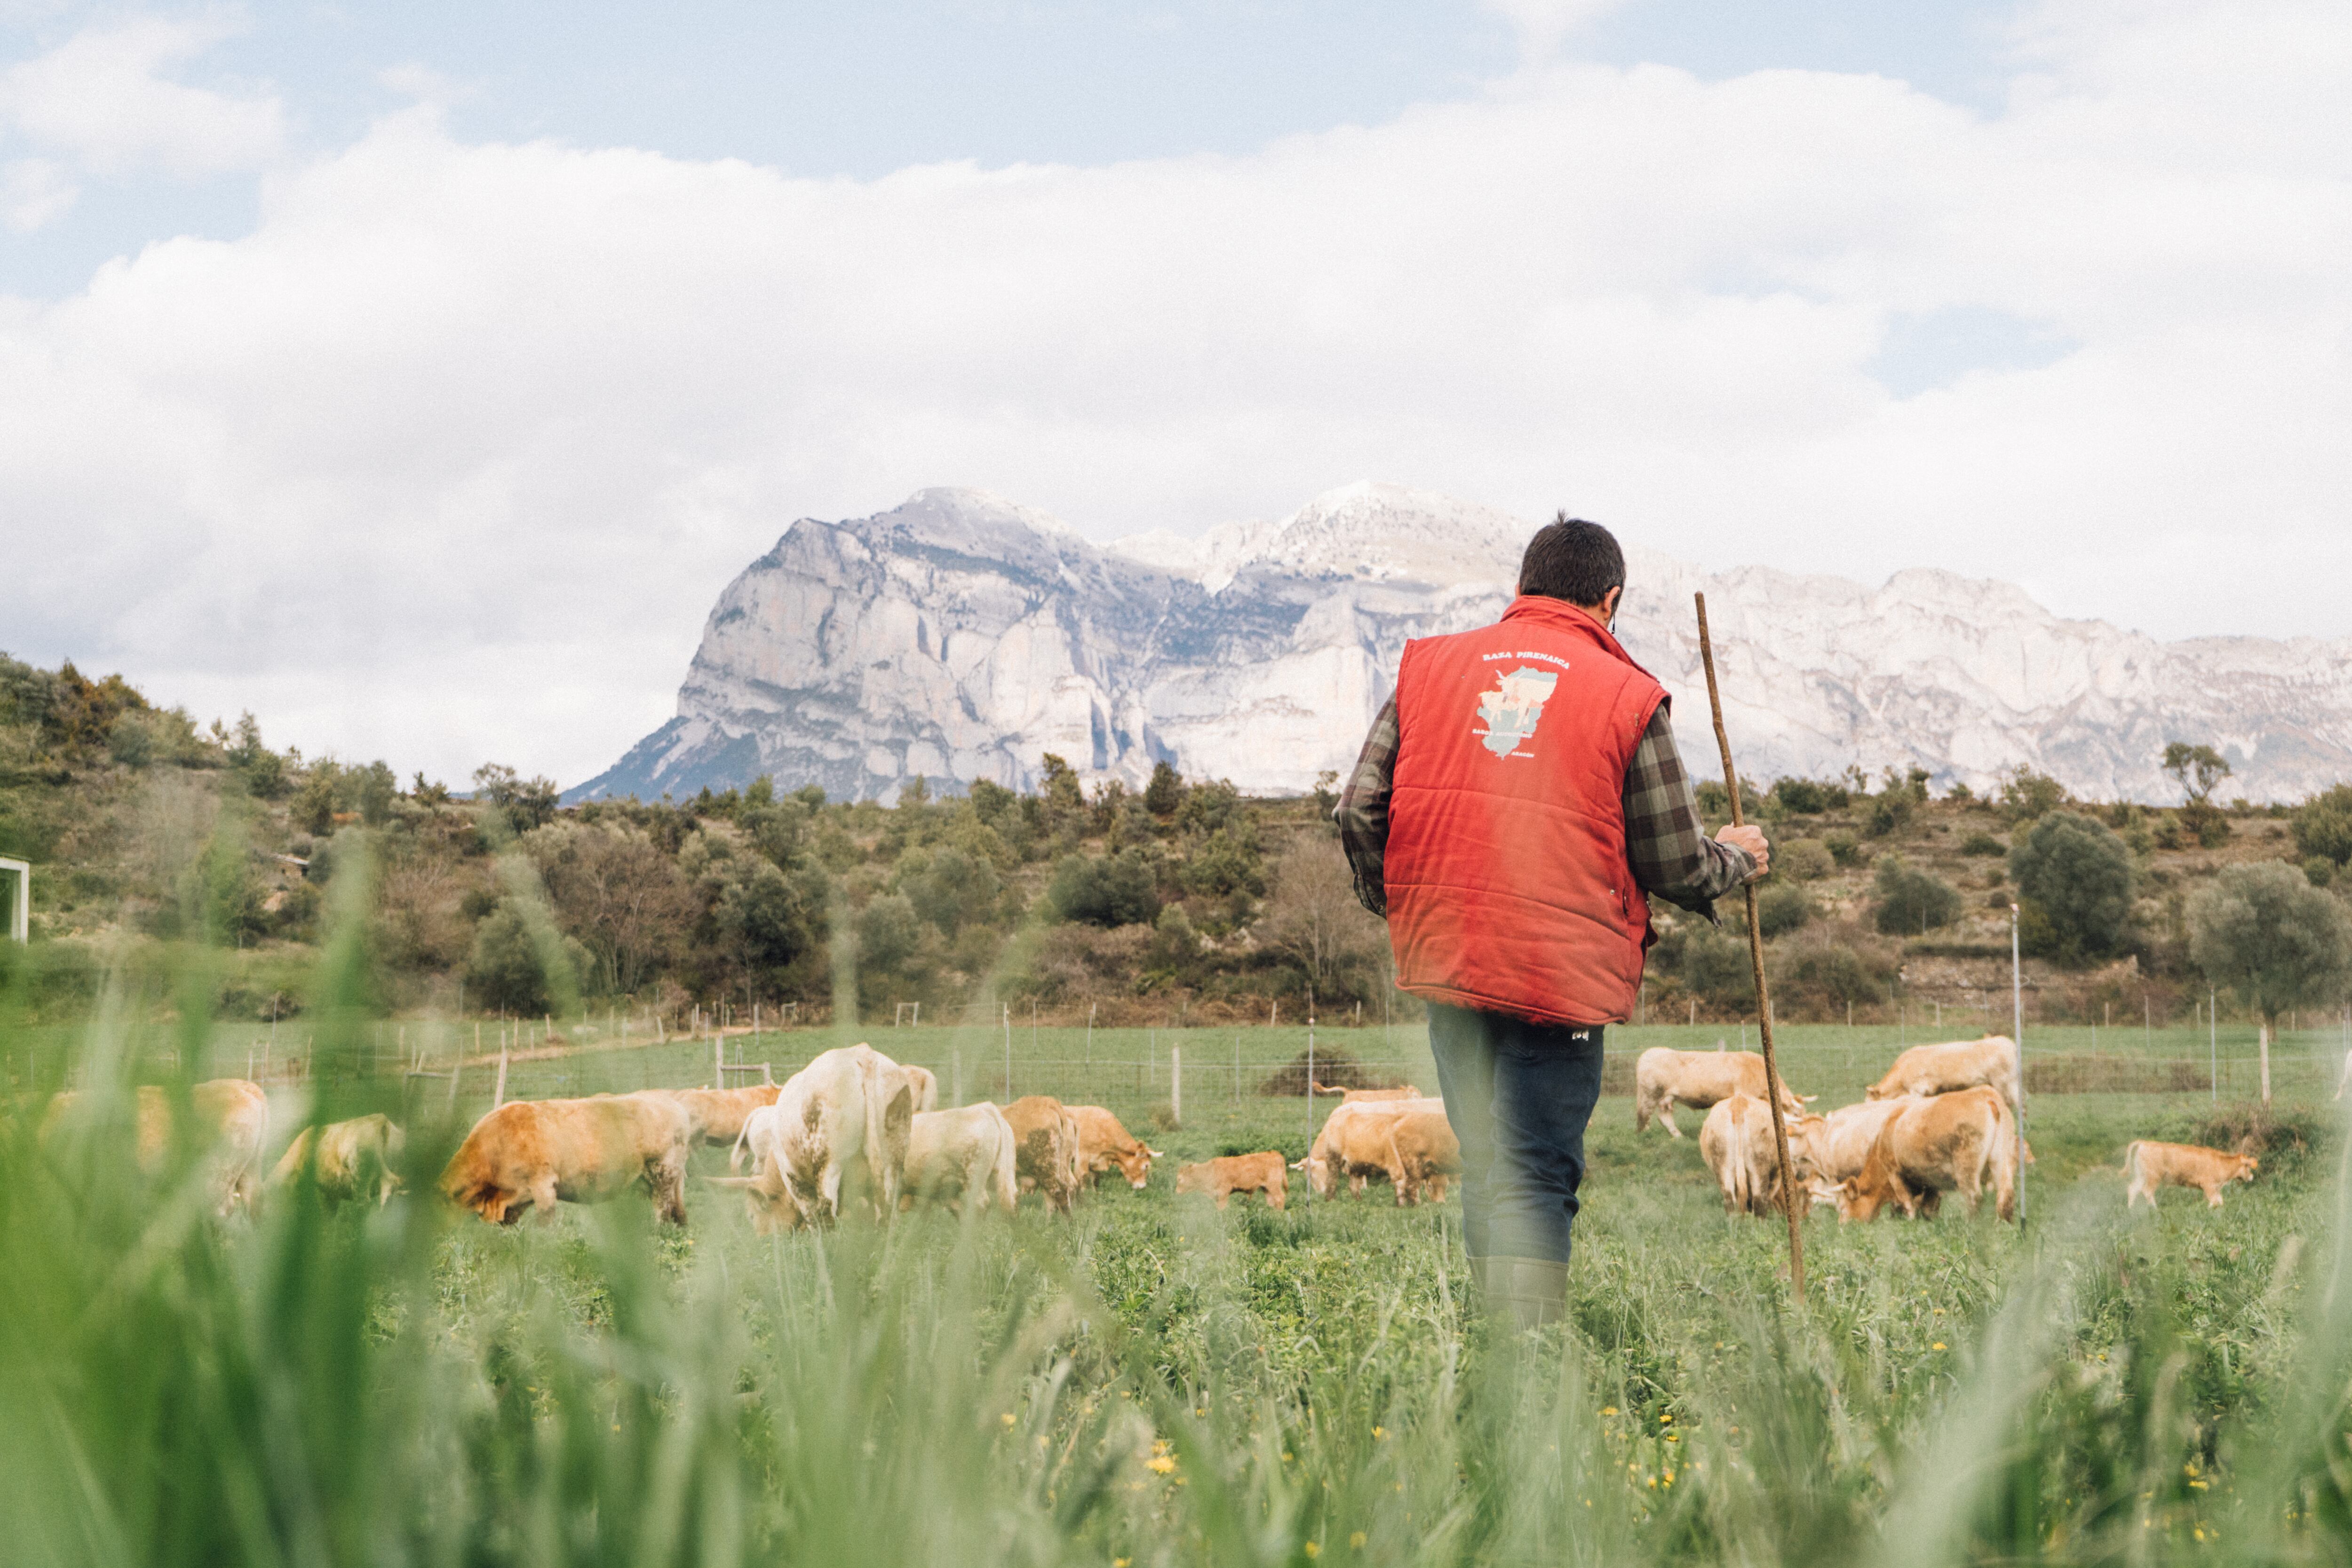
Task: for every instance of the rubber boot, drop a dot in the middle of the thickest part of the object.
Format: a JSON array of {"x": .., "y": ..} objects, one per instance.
[{"x": 1526, "y": 1292}]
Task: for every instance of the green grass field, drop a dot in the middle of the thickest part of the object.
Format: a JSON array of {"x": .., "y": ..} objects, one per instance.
[{"x": 1155, "y": 1381}]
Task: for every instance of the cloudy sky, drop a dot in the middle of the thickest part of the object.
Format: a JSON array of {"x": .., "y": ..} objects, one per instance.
[{"x": 417, "y": 375}]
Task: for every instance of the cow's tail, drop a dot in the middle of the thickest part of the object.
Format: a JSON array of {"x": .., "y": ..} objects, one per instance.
[
  {"x": 2132, "y": 1179},
  {"x": 885, "y": 1154},
  {"x": 735, "y": 1154},
  {"x": 1739, "y": 1179},
  {"x": 2005, "y": 1162}
]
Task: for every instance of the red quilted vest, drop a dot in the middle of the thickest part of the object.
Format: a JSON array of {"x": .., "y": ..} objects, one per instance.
[{"x": 1508, "y": 885}]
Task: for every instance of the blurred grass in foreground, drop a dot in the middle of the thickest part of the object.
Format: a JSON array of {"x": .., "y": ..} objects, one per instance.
[{"x": 1156, "y": 1382}]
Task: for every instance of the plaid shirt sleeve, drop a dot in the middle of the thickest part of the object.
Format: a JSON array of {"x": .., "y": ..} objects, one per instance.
[
  {"x": 1672, "y": 855},
  {"x": 1363, "y": 812}
]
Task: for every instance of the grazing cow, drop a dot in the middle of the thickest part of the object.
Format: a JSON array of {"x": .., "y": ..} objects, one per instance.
[
  {"x": 927, "y": 1087},
  {"x": 1937, "y": 1143},
  {"x": 2149, "y": 1165},
  {"x": 1260, "y": 1173},
  {"x": 1349, "y": 1096},
  {"x": 1104, "y": 1144},
  {"x": 532, "y": 1153},
  {"x": 355, "y": 1159},
  {"x": 1827, "y": 1149},
  {"x": 1727, "y": 1141},
  {"x": 1665, "y": 1078},
  {"x": 836, "y": 1135},
  {"x": 1045, "y": 1140},
  {"x": 717, "y": 1115},
  {"x": 232, "y": 1117},
  {"x": 958, "y": 1156},
  {"x": 1423, "y": 1153},
  {"x": 1990, "y": 1062},
  {"x": 1353, "y": 1143}
]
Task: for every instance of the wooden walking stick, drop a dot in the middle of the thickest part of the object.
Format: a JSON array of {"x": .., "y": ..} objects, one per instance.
[{"x": 1772, "y": 1090}]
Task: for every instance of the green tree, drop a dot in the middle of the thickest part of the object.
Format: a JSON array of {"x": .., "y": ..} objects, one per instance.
[
  {"x": 2026, "y": 795},
  {"x": 261, "y": 770},
  {"x": 2077, "y": 877},
  {"x": 1911, "y": 900},
  {"x": 950, "y": 887},
  {"x": 2266, "y": 934},
  {"x": 504, "y": 968},
  {"x": 523, "y": 804},
  {"x": 2198, "y": 770},
  {"x": 2323, "y": 825},
  {"x": 1165, "y": 794},
  {"x": 889, "y": 934},
  {"x": 1065, "y": 797}
]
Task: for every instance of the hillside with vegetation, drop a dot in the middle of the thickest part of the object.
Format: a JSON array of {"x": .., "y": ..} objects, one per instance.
[{"x": 1185, "y": 900}]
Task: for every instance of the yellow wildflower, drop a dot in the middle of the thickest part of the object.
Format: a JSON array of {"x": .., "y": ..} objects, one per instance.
[
  {"x": 1939, "y": 1344},
  {"x": 1163, "y": 1464},
  {"x": 1608, "y": 1410},
  {"x": 1006, "y": 1418},
  {"x": 1312, "y": 1551},
  {"x": 1356, "y": 1541}
]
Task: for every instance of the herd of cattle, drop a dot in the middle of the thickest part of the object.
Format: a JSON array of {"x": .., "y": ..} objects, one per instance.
[
  {"x": 855, "y": 1132},
  {"x": 1943, "y": 1120}
]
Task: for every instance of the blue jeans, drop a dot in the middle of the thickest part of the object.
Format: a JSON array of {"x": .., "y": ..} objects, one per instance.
[{"x": 1518, "y": 1095}]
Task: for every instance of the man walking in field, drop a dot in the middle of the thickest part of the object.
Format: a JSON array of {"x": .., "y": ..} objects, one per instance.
[{"x": 1513, "y": 801}]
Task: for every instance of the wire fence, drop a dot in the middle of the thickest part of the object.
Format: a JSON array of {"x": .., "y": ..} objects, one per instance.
[{"x": 462, "y": 1068}]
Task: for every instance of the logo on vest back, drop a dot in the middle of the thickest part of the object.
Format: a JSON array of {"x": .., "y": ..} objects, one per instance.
[{"x": 1511, "y": 709}]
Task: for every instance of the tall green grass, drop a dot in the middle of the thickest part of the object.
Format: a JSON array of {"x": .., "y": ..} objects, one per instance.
[{"x": 1155, "y": 1381}]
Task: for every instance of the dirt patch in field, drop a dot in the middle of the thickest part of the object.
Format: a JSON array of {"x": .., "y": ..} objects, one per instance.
[{"x": 1333, "y": 1069}]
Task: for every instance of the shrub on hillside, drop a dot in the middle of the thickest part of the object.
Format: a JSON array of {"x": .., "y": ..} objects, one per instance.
[
  {"x": 1803, "y": 859},
  {"x": 1808, "y": 797},
  {"x": 1982, "y": 843},
  {"x": 2026, "y": 795},
  {"x": 1911, "y": 900},
  {"x": 2078, "y": 875},
  {"x": 1715, "y": 966},
  {"x": 1820, "y": 972},
  {"x": 1843, "y": 848},
  {"x": 1783, "y": 907},
  {"x": 2323, "y": 825},
  {"x": 1114, "y": 891}
]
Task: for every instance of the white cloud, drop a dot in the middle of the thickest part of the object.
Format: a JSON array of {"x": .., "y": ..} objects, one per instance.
[
  {"x": 33, "y": 191},
  {"x": 1544, "y": 25},
  {"x": 104, "y": 100},
  {"x": 449, "y": 457}
]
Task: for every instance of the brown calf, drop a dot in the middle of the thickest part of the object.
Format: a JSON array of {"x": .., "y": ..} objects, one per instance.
[{"x": 1260, "y": 1173}]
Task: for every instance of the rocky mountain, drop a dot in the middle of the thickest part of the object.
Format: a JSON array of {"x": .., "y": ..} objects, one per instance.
[{"x": 960, "y": 636}]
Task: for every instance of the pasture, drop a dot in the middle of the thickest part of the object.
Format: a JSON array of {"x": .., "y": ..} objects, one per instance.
[{"x": 1154, "y": 1382}]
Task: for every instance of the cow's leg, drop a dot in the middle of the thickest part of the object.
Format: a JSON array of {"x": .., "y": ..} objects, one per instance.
[
  {"x": 2213, "y": 1195},
  {"x": 541, "y": 1195},
  {"x": 1666, "y": 1115},
  {"x": 1641, "y": 1109},
  {"x": 669, "y": 1185}
]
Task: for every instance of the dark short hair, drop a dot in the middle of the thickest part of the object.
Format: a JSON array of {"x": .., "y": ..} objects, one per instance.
[{"x": 1572, "y": 559}]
